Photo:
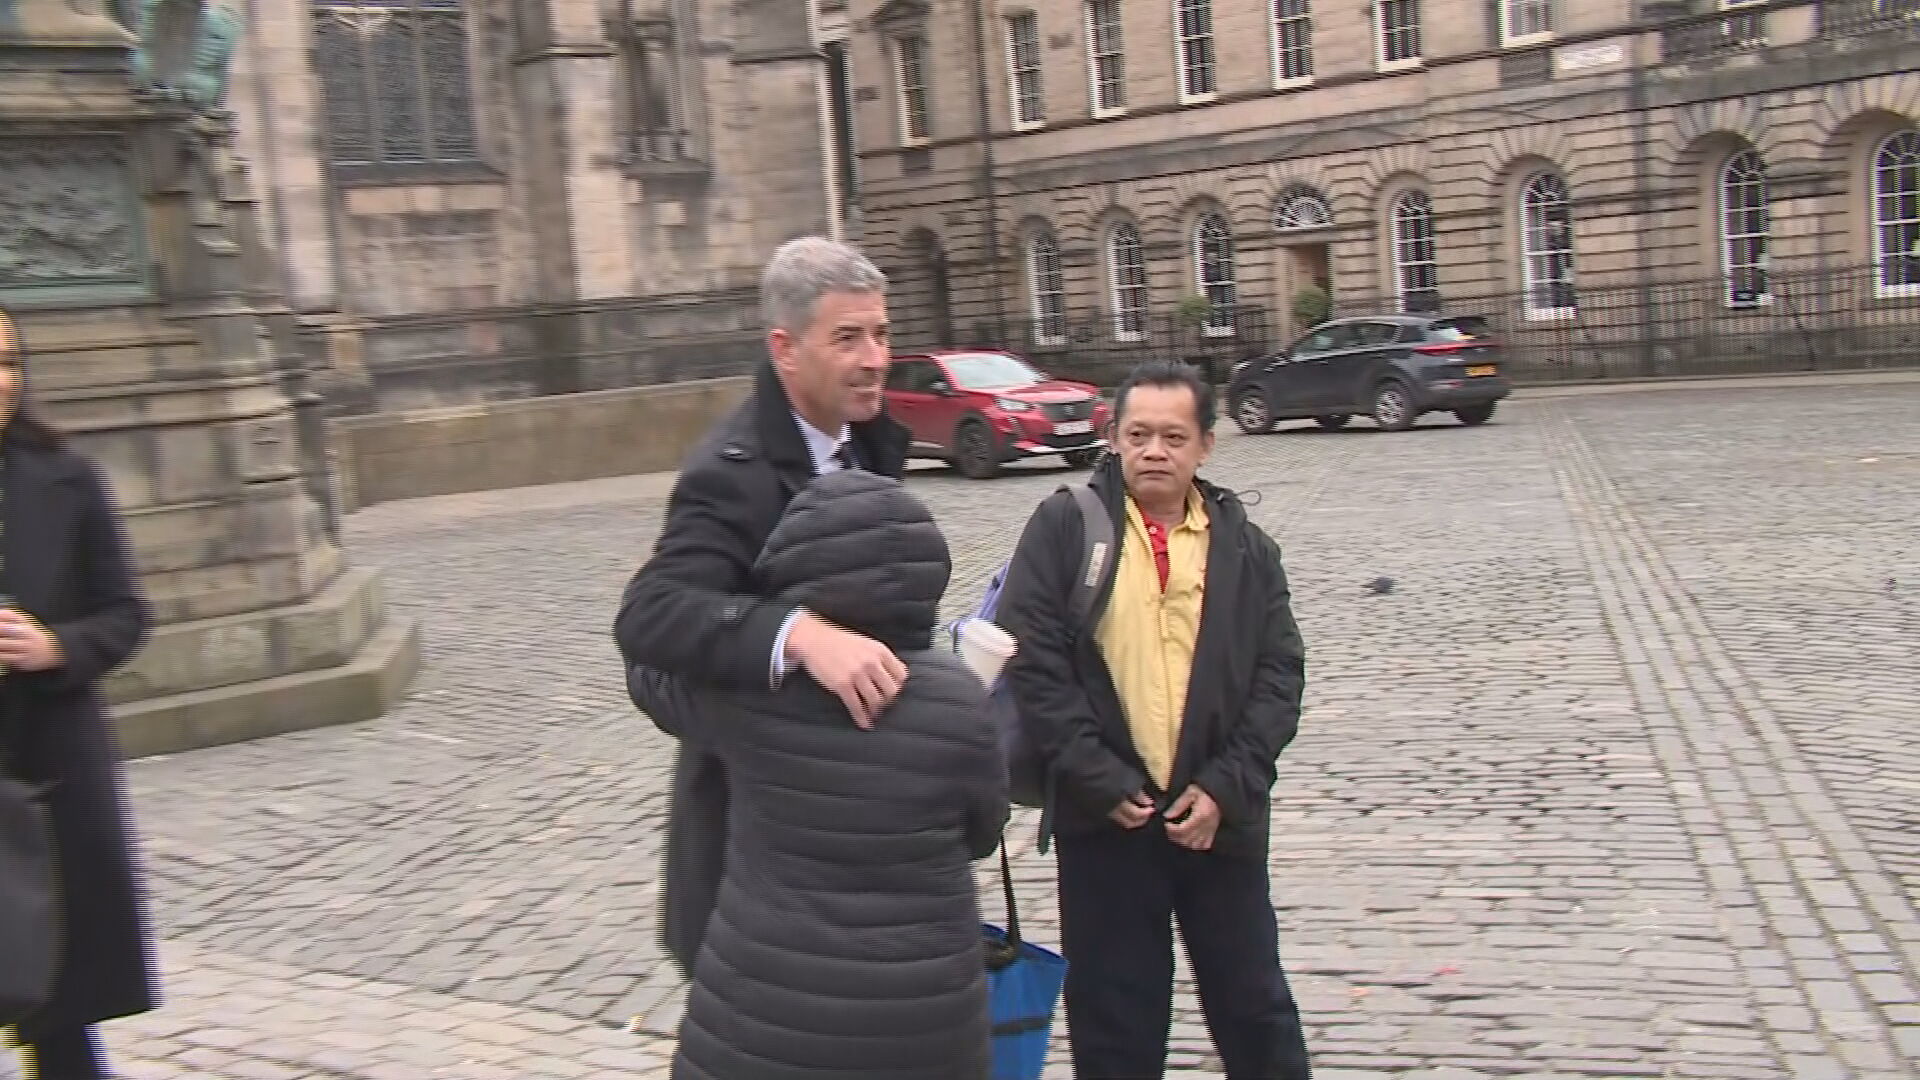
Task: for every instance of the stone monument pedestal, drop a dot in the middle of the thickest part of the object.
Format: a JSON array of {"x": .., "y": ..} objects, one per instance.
[{"x": 158, "y": 342}]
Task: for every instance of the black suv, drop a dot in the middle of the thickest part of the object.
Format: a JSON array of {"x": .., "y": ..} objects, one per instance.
[{"x": 1392, "y": 367}]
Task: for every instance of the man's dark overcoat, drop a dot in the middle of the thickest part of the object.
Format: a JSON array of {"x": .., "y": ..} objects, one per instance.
[{"x": 690, "y": 613}]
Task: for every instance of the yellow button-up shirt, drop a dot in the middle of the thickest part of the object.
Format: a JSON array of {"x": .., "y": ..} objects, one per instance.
[{"x": 1148, "y": 634}]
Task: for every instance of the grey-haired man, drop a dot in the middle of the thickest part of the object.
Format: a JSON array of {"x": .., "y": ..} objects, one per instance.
[{"x": 689, "y": 618}]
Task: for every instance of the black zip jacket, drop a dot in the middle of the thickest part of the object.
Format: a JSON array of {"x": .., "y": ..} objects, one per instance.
[{"x": 1243, "y": 699}]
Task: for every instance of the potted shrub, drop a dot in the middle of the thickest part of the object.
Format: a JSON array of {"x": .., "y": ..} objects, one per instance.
[
  {"x": 1311, "y": 307},
  {"x": 1194, "y": 311}
]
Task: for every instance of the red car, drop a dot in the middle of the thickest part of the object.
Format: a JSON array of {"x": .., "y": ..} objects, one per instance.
[{"x": 980, "y": 409}]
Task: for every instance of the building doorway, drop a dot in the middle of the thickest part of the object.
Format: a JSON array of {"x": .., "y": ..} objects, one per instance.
[
  {"x": 1301, "y": 266},
  {"x": 930, "y": 258}
]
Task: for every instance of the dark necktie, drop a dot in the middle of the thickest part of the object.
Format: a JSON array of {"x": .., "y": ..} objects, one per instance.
[{"x": 846, "y": 457}]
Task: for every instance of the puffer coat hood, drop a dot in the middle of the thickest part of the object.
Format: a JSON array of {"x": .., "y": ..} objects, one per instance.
[{"x": 860, "y": 551}]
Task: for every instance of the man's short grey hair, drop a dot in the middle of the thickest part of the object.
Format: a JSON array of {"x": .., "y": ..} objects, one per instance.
[{"x": 803, "y": 271}]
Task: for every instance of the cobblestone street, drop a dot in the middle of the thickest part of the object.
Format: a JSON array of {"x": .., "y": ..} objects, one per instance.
[{"x": 1621, "y": 780}]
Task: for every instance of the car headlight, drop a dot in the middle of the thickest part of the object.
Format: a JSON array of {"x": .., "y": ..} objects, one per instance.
[{"x": 1010, "y": 405}]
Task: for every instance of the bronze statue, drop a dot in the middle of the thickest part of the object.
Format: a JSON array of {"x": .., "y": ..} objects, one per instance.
[{"x": 186, "y": 48}]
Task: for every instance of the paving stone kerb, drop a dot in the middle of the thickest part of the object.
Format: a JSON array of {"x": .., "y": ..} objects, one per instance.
[{"x": 1617, "y": 782}]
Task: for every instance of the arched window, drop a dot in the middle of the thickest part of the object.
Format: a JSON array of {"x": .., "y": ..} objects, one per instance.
[
  {"x": 1744, "y": 227},
  {"x": 1127, "y": 282},
  {"x": 1416, "y": 269},
  {"x": 1213, "y": 273},
  {"x": 1301, "y": 208},
  {"x": 1546, "y": 248},
  {"x": 1896, "y": 215},
  {"x": 1048, "y": 287}
]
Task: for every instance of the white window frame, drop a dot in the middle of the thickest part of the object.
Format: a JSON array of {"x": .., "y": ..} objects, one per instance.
[
  {"x": 1535, "y": 261},
  {"x": 1757, "y": 23},
  {"x": 1515, "y": 11},
  {"x": 1102, "y": 108},
  {"x": 1409, "y": 63},
  {"x": 1183, "y": 70},
  {"x": 1882, "y": 225},
  {"x": 1047, "y": 290},
  {"x": 1293, "y": 196},
  {"x": 1291, "y": 15},
  {"x": 1734, "y": 232},
  {"x": 1017, "y": 97},
  {"x": 1127, "y": 298},
  {"x": 1228, "y": 285},
  {"x": 905, "y": 89},
  {"x": 1413, "y": 254}
]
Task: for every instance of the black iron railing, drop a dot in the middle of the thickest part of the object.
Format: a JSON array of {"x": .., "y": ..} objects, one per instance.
[
  {"x": 1754, "y": 323},
  {"x": 1100, "y": 347},
  {"x": 1724, "y": 34},
  {"x": 1840, "y": 17}
]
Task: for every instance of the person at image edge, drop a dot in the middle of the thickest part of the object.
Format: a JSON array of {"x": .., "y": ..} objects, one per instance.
[{"x": 72, "y": 612}]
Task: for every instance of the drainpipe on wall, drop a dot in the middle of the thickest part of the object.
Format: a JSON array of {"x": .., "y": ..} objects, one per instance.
[
  {"x": 1642, "y": 197},
  {"x": 983, "y": 105}
]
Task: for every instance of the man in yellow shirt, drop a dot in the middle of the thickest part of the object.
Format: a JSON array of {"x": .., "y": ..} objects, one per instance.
[{"x": 1161, "y": 723}]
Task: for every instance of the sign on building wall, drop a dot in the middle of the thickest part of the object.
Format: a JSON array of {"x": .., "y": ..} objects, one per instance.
[{"x": 1590, "y": 57}]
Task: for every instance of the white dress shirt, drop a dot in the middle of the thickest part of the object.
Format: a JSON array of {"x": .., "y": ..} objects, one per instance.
[{"x": 824, "y": 449}]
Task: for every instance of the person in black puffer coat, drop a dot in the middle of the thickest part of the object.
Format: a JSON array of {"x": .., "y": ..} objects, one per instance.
[{"x": 846, "y": 942}]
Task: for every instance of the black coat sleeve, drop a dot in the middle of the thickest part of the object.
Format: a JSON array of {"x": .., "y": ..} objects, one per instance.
[
  {"x": 1034, "y": 608},
  {"x": 666, "y": 700},
  {"x": 112, "y": 618},
  {"x": 1241, "y": 774},
  {"x": 985, "y": 782},
  {"x": 688, "y": 612}
]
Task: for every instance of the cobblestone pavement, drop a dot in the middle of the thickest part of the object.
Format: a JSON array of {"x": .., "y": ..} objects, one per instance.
[{"x": 1622, "y": 779}]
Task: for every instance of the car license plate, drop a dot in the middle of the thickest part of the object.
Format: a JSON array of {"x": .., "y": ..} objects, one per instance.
[
  {"x": 1073, "y": 427},
  {"x": 1483, "y": 369}
]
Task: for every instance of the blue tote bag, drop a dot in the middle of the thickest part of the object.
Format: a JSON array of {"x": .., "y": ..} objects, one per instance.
[{"x": 1023, "y": 987}]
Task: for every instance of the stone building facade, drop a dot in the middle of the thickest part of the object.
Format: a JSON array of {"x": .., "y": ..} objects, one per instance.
[
  {"x": 1064, "y": 174},
  {"x": 477, "y": 199}
]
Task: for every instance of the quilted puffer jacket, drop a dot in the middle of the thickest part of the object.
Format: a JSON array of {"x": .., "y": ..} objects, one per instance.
[{"x": 846, "y": 940}]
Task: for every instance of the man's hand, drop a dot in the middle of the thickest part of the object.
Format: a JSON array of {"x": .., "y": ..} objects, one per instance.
[
  {"x": 861, "y": 672},
  {"x": 25, "y": 645},
  {"x": 1134, "y": 811},
  {"x": 1193, "y": 819}
]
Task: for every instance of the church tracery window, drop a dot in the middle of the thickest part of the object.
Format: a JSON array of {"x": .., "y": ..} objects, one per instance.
[
  {"x": 657, "y": 107},
  {"x": 397, "y": 84}
]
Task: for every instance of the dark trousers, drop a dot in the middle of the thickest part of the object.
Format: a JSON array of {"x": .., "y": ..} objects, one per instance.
[
  {"x": 1120, "y": 891},
  {"x": 73, "y": 1054}
]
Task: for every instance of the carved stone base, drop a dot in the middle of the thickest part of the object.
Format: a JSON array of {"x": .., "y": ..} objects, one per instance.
[{"x": 370, "y": 683}]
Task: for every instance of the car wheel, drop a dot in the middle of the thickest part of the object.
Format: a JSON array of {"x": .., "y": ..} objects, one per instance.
[
  {"x": 1083, "y": 459},
  {"x": 1475, "y": 416},
  {"x": 1334, "y": 422},
  {"x": 1393, "y": 406},
  {"x": 974, "y": 451},
  {"x": 1251, "y": 412}
]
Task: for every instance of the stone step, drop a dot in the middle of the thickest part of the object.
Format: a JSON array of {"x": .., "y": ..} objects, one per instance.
[
  {"x": 364, "y": 688},
  {"x": 205, "y": 654}
]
